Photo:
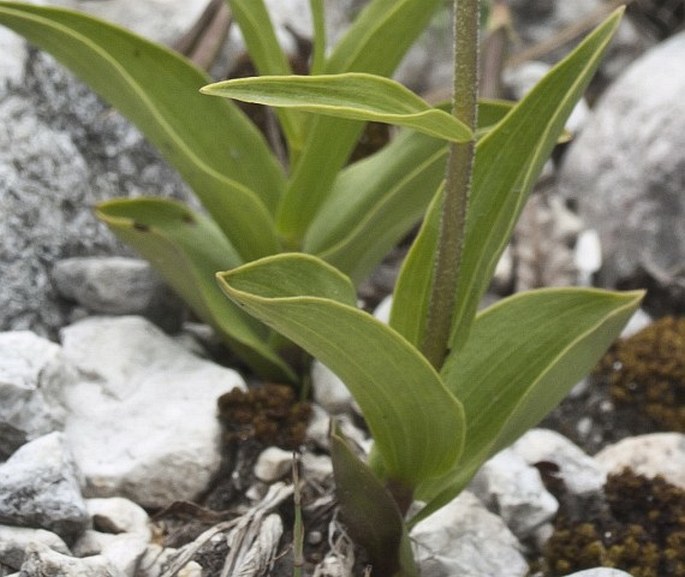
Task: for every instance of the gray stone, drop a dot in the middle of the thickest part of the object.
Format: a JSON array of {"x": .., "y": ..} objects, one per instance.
[
  {"x": 15, "y": 540},
  {"x": 649, "y": 455},
  {"x": 41, "y": 560},
  {"x": 61, "y": 152},
  {"x": 513, "y": 489},
  {"x": 40, "y": 488},
  {"x": 464, "y": 538},
  {"x": 626, "y": 171},
  {"x": 32, "y": 375},
  {"x": 141, "y": 420},
  {"x": 118, "y": 286}
]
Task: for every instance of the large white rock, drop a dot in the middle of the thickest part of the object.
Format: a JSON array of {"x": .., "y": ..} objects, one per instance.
[
  {"x": 142, "y": 419},
  {"x": 649, "y": 455},
  {"x": 626, "y": 170},
  {"x": 464, "y": 538},
  {"x": 32, "y": 375}
]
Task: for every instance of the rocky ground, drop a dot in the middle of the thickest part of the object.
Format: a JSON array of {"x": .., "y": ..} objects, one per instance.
[{"x": 131, "y": 445}]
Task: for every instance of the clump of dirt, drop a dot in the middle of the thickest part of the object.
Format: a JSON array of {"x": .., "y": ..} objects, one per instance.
[
  {"x": 646, "y": 373},
  {"x": 640, "y": 529},
  {"x": 270, "y": 414}
]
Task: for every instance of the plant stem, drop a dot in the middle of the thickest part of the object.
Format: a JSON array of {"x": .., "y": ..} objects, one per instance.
[{"x": 436, "y": 341}]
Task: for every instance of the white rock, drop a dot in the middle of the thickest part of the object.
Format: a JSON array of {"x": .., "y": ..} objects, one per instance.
[
  {"x": 650, "y": 455},
  {"x": 273, "y": 464},
  {"x": 15, "y": 540},
  {"x": 580, "y": 472},
  {"x": 382, "y": 311},
  {"x": 41, "y": 560},
  {"x": 512, "y": 488},
  {"x": 40, "y": 488},
  {"x": 32, "y": 374},
  {"x": 118, "y": 515},
  {"x": 637, "y": 322},
  {"x": 329, "y": 391},
  {"x": 142, "y": 421},
  {"x": 587, "y": 256},
  {"x": 464, "y": 538}
]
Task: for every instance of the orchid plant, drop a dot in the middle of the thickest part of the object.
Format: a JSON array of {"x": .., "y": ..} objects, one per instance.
[{"x": 277, "y": 256}]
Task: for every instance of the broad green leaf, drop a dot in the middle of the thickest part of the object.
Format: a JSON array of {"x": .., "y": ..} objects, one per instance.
[
  {"x": 508, "y": 161},
  {"x": 212, "y": 144},
  {"x": 188, "y": 249},
  {"x": 383, "y": 197},
  {"x": 400, "y": 394},
  {"x": 523, "y": 355},
  {"x": 352, "y": 95},
  {"x": 267, "y": 55},
  {"x": 370, "y": 513},
  {"x": 375, "y": 43}
]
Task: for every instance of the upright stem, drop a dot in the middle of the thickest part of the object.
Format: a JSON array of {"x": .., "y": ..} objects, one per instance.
[{"x": 435, "y": 345}]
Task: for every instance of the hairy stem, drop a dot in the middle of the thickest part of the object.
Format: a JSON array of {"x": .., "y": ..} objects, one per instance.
[{"x": 435, "y": 345}]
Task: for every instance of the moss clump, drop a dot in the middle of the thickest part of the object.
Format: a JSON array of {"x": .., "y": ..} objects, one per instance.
[
  {"x": 646, "y": 372},
  {"x": 641, "y": 531},
  {"x": 270, "y": 414}
]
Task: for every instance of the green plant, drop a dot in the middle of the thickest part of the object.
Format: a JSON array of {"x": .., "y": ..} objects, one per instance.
[
  {"x": 442, "y": 388},
  {"x": 255, "y": 206}
]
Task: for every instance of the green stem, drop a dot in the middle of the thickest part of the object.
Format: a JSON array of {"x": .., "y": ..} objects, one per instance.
[{"x": 436, "y": 344}]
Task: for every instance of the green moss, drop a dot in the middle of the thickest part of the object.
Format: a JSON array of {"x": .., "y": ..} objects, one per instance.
[
  {"x": 270, "y": 414},
  {"x": 647, "y": 372},
  {"x": 641, "y": 530}
]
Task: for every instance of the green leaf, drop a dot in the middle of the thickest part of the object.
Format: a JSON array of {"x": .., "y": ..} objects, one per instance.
[
  {"x": 409, "y": 312},
  {"x": 374, "y": 43},
  {"x": 399, "y": 393},
  {"x": 508, "y": 161},
  {"x": 523, "y": 356},
  {"x": 381, "y": 35},
  {"x": 212, "y": 144},
  {"x": 353, "y": 95},
  {"x": 383, "y": 197},
  {"x": 370, "y": 513},
  {"x": 188, "y": 249},
  {"x": 268, "y": 57}
]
